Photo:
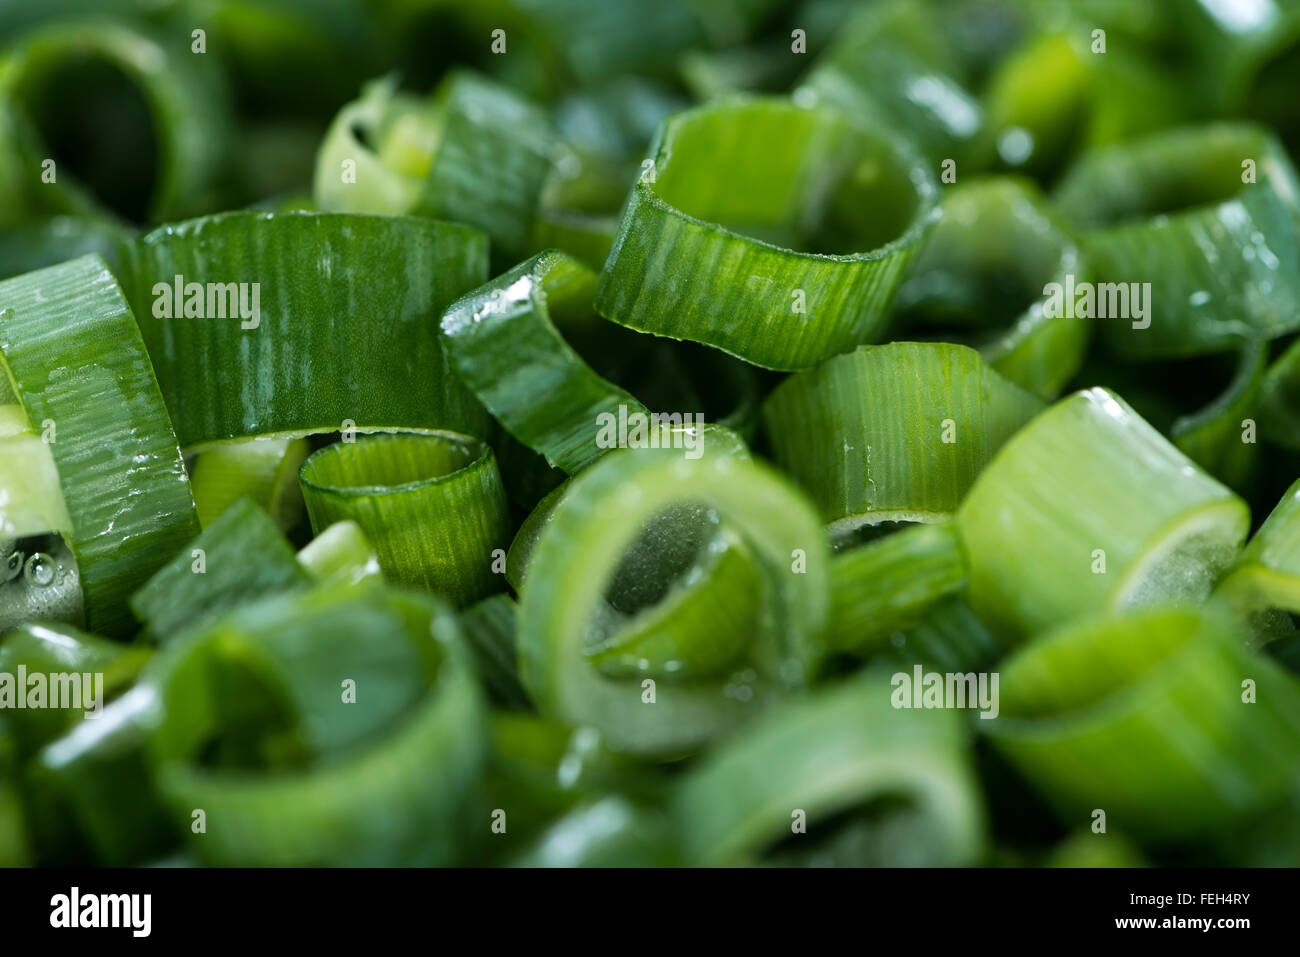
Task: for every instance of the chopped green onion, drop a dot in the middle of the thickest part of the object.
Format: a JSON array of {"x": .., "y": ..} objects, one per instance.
[
  {"x": 432, "y": 504},
  {"x": 1087, "y": 509},
  {"x": 1163, "y": 720},
  {"x": 811, "y": 764},
  {"x": 764, "y": 260},
  {"x": 892, "y": 433},
  {"x": 104, "y": 424}
]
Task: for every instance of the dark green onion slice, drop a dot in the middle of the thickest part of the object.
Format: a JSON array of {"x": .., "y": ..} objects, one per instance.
[
  {"x": 238, "y": 558},
  {"x": 475, "y": 152},
  {"x": 1218, "y": 244},
  {"x": 188, "y": 116},
  {"x": 1090, "y": 509},
  {"x": 73, "y": 355},
  {"x": 888, "y": 586},
  {"x": 503, "y": 341},
  {"x": 58, "y": 239},
  {"x": 1245, "y": 59},
  {"x": 15, "y": 849},
  {"x": 360, "y": 295},
  {"x": 92, "y": 788},
  {"x": 1146, "y": 718},
  {"x": 877, "y": 785},
  {"x": 951, "y": 636},
  {"x": 253, "y": 726},
  {"x": 78, "y": 673},
  {"x": 432, "y": 504},
  {"x": 892, "y": 433},
  {"x": 772, "y": 261},
  {"x": 599, "y": 40},
  {"x": 987, "y": 270},
  {"x": 602, "y": 514}
]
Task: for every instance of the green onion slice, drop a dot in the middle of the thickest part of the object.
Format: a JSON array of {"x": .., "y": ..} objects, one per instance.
[
  {"x": 491, "y": 628},
  {"x": 889, "y": 69},
  {"x": 986, "y": 276},
  {"x": 320, "y": 728},
  {"x": 238, "y": 558},
  {"x": 892, "y": 433},
  {"x": 713, "y": 440},
  {"x": 76, "y": 674},
  {"x": 889, "y": 585},
  {"x": 503, "y": 341},
  {"x": 261, "y": 468},
  {"x": 1055, "y": 97},
  {"x": 188, "y": 116},
  {"x": 1150, "y": 718},
  {"x": 1212, "y": 437},
  {"x": 871, "y": 784},
  {"x": 475, "y": 152},
  {"x": 432, "y": 504},
  {"x": 1203, "y": 224},
  {"x": 74, "y": 357},
  {"x": 669, "y": 500},
  {"x": 360, "y": 295},
  {"x": 1087, "y": 509},
  {"x": 341, "y": 555},
  {"x": 773, "y": 261}
]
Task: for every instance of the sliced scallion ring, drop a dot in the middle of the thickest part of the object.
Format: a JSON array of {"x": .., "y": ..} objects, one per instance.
[
  {"x": 475, "y": 152},
  {"x": 831, "y": 763},
  {"x": 105, "y": 424},
  {"x": 773, "y": 261},
  {"x": 892, "y": 433},
  {"x": 432, "y": 504},
  {"x": 1090, "y": 509},
  {"x": 985, "y": 276},
  {"x": 1147, "y": 718},
  {"x": 605, "y": 510},
  {"x": 360, "y": 295},
  {"x": 1203, "y": 224}
]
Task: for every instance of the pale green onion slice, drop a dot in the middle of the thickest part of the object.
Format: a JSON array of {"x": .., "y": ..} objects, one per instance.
[
  {"x": 341, "y": 555},
  {"x": 475, "y": 152},
  {"x": 602, "y": 514},
  {"x": 263, "y": 469},
  {"x": 1163, "y": 720},
  {"x": 1090, "y": 509},
  {"x": 888, "y": 586},
  {"x": 1268, "y": 571},
  {"x": 893, "y": 433},
  {"x": 844, "y": 778}
]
